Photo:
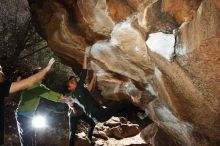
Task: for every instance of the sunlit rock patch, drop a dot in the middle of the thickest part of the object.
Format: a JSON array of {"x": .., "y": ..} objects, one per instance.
[{"x": 162, "y": 44}]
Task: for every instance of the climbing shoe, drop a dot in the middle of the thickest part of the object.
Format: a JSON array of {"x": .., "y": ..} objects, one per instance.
[{"x": 142, "y": 115}]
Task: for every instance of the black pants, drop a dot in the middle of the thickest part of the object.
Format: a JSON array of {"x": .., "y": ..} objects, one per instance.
[
  {"x": 73, "y": 121},
  {"x": 25, "y": 130},
  {"x": 1, "y": 121},
  {"x": 104, "y": 114}
]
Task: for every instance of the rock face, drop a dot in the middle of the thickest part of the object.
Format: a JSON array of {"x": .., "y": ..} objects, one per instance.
[
  {"x": 181, "y": 92},
  {"x": 116, "y": 131}
]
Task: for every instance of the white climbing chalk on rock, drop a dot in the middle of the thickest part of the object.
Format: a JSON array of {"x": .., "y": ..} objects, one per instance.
[{"x": 162, "y": 44}]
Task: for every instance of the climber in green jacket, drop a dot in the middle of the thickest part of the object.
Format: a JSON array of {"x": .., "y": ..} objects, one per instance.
[{"x": 30, "y": 99}]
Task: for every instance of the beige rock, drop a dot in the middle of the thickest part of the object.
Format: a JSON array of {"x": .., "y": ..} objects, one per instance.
[
  {"x": 151, "y": 18},
  {"x": 201, "y": 64},
  {"x": 101, "y": 134},
  {"x": 182, "y": 10},
  {"x": 95, "y": 15},
  {"x": 156, "y": 137},
  {"x": 124, "y": 131}
]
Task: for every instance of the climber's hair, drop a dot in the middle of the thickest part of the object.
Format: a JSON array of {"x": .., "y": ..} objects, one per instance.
[
  {"x": 71, "y": 78},
  {"x": 65, "y": 85}
]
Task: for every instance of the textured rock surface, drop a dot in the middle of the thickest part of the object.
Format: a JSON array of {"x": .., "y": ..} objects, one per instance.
[
  {"x": 181, "y": 95},
  {"x": 116, "y": 131},
  {"x": 120, "y": 129}
]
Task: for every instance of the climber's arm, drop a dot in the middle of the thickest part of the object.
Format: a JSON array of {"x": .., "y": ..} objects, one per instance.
[
  {"x": 92, "y": 82},
  {"x": 25, "y": 83},
  {"x": 85, "y": 62}
]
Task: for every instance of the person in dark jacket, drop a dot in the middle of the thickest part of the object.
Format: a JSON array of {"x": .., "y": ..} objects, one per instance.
[
  {"x": 81, "y": 96},
  {"x": 76, "y": 113}
]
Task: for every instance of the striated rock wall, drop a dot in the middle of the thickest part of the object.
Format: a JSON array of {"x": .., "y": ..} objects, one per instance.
[{"x": 173, "y": 75}]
